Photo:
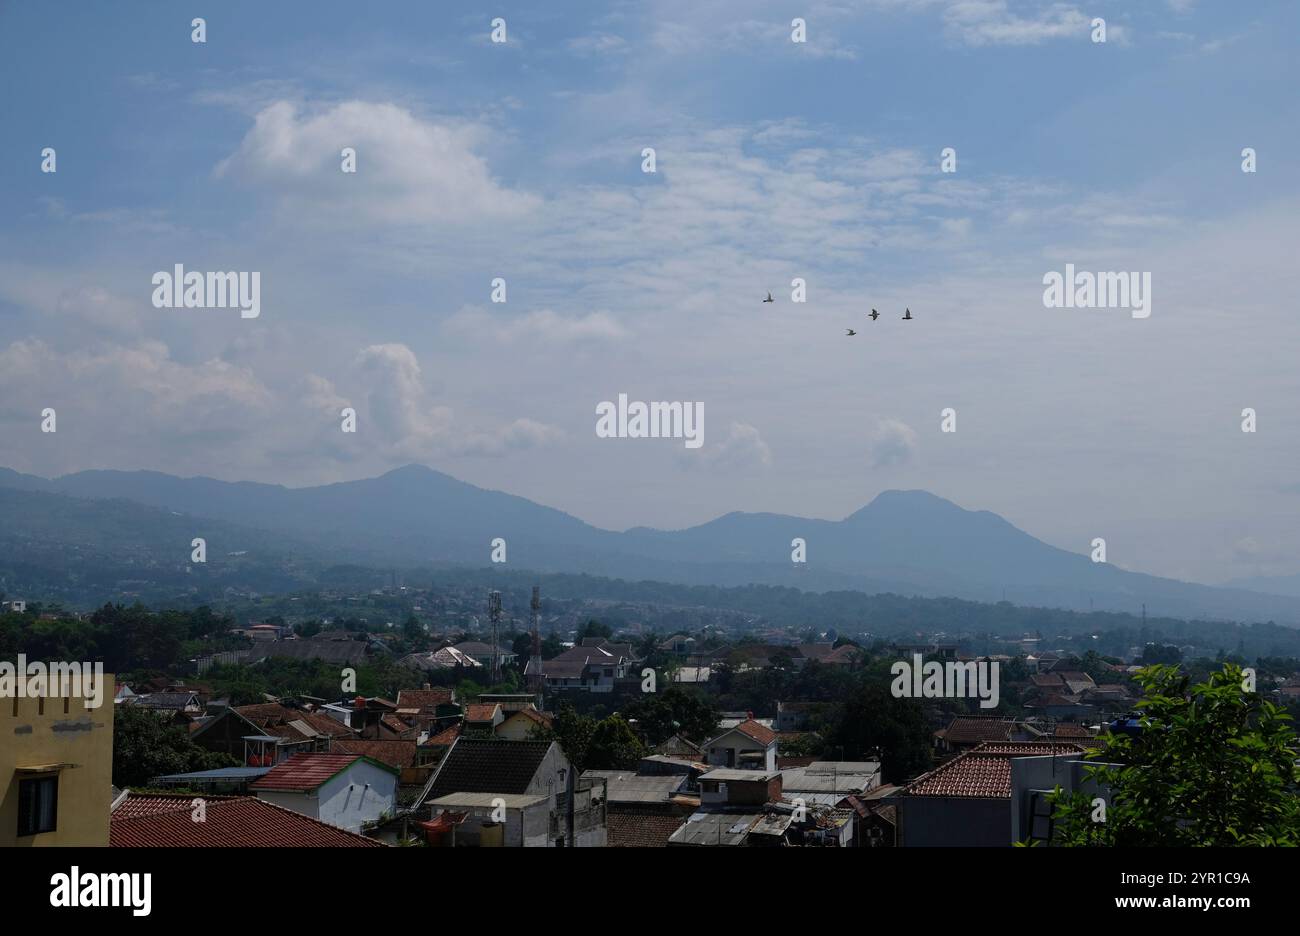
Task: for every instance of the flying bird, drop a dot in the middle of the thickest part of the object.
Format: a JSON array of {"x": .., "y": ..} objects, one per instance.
[
  {"x": 874, "y": 315},
  {"x": 907, "y": 317},
  {"x": 851, "y": 332},
  {"x": 769, "y": 298}
]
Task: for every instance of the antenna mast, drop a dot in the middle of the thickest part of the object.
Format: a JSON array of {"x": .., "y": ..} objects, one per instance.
[
  {"x": 494, "y": 612},
  {"x": 535, "y": 655}
]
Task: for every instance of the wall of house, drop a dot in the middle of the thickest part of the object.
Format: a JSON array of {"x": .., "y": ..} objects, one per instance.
[
  {"x": 745, "y": 792},
  {"x": 546, "y": 781},
  {"x": 529, "y": 827},
  {"x": 516, "y": 728},
  {"x": 537, "y": 825},
  {"x": 360, "y": 794},
  {"x": 1045, "y": 773},
  {"x": 926, "y": 821},
  {"x": 36, "y": 732},
  {"x": 308, "y": 804},
  {"x": 590, "y": 825},
  {"x": 737, "y": 743}
]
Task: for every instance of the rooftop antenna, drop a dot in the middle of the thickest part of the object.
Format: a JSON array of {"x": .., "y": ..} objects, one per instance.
[
  {"x": 535, "y": 655},
  {"x": 494, "y": 612}
]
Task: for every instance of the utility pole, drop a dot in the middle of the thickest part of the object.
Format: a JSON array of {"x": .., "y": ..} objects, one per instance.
[
  {"x": 535, "y": 682},
  {"x": 494, "y": 612}
]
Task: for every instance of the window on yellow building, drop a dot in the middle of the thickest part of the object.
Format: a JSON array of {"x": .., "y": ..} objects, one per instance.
[{"x": 38, "y": 805}]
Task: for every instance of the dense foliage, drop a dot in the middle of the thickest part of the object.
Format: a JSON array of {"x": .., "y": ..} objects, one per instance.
[
  {"x": 146, "y": 744},
  {"x": 1213, "y": 764}
]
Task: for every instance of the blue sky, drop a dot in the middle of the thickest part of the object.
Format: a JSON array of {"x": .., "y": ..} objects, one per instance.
[{"x": 775, "y": 160}]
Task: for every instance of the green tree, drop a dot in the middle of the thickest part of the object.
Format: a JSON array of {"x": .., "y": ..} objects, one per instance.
[
  {"x": 613, "y": 746},
  {"x": 572, "y": 731},
  {"x": 872, "y": 719},
  {"x": 661, "y": 715},
  {"x": 1213, "y": 765},
  {"x": 147, "y": 746},
  {"x": 596, "y": 629},
  {"x": 1157, "y": 653}
]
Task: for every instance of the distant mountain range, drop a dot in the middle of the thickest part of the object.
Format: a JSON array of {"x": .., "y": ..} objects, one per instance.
[
  {"x": 909, "y": 542},
  {"x": 1272, "y": 584}
]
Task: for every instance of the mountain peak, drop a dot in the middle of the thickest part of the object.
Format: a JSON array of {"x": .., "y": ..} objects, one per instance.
[
  {"x": 896, "y": 502},
  {"x": 414, "y": 469}
]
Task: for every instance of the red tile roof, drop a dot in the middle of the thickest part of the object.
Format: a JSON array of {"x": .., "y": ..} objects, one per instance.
[
  {"x": 757, "y": 731},
  {"x": 275, "y": 719},
  {"x": 1068, "y": 730},
  {"x": 1027, "y": 748},
  {"x": 423, "y": 698},
  {"x": 844, "y": 654},
  {"x": 308, "y": 771},
  {"x": 637, "y": 826},
  {"x": 136, "y": 805},
  {"x": 237, "y": 822},
  {"x": 444, "y": 737},
  {"x": 481, "y": 712},
  {"x": 984, "y": 772},
  {"x": 396, "y": 724},
  {"x": 393, "y": 752},
  {"x": 1056, "y": 699},
  {"x": 972, "y": 729}
]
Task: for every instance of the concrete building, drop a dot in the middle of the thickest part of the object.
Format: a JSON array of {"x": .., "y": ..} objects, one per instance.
[
  {"x": 56, "y": 770},
  {"x": 343, "y": 790},
  {"x": 489, "y": 792},
  {"x": 595, "y": 665},
  {"x": 1032, "y": 779},
  {"x": 968, "y": 800},
  {"x": 749, "y": 745}
]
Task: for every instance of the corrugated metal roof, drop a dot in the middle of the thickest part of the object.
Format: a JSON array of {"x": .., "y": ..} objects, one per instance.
[
  {"x": 623, "y": 786},
  {"x": 715, "y": 828},
  {"x": 487, "y": 800},
  {"x": 728, "y": 774}
]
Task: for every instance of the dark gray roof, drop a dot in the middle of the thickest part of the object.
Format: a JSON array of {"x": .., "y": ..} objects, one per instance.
[
  {"x": 627, "y": 786},
  {"x": 331, "y": 651},
  {"x": 166, "y": 700},
  {"x": 219, "y": 773},
  {"x": 723, "y": 827},
  {"x": 479, "y": 647},
  {"x": 486, "y": 765}
]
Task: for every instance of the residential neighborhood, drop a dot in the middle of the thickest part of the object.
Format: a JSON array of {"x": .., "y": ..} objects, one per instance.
[{"x": 586, "y": 742}]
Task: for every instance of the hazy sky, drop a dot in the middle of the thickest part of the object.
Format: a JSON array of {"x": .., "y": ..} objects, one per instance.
[{"x": 775, "y": 160}]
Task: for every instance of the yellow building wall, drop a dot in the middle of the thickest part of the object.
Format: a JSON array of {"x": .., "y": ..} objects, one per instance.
[
  {"x": 516, "y": 728},
  {"x": 38, "y": 732}
]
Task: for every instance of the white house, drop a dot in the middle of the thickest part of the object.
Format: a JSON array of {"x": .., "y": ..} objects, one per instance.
[
  {"x": 595, "y": 665},
  {"x": 750, "y": 745},
  {"x": 344, "y": 790}
]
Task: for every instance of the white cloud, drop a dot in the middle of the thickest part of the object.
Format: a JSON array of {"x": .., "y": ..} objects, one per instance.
[
  {"x": 540, "y": 325},
  {"x": 396, "y": 402},
  {"x": 992, "y": 22},
  {"x": 741, "y": 451},
  {"x": 83, "y": 305},
  {"x": 520, "y": 435},
  {"x": 599, "y": 44},
  {"x": 115, "y": 403},
  {"x": 409, "y": 170},
  {"x": 893, "y": 444}
]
